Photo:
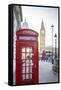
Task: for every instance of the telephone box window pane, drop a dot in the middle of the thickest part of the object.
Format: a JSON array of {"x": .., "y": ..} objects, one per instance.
[
  {"x": 27, "y": 69},
  {"x": 30, "y": 69},
  {"x": 23, "y": 64},
  {"x": 23, "y": 76},
  {"x": 23, "y": 49},
  {"x": 32, "y": 55},
  {"x": 23, "y": 55},
  {"x": 27, "y": 76},
  {"x": 27, "y": 49},
  {"x": 30, "y": 76},
  {"x": 23, "y": 61},
  {"x": 31, "y": 62},
  {"x": 27, "y": 55},
  {"x": 27, "y": 62},
  {"x": 23, "y": 69},
  {"x": 30, "y": 50}
]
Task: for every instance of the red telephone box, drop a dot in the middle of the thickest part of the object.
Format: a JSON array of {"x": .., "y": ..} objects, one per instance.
[{"x": 26, "y": 57}]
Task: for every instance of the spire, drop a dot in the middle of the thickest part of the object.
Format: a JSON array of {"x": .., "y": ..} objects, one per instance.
[{"x": 42, "y": 25}]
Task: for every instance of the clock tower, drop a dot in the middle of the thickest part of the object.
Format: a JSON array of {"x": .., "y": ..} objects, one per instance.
[{"x": 42, "y": 37}]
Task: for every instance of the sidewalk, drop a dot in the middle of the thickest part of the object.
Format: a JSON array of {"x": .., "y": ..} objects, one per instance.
[{"x": 45, "y": 73}]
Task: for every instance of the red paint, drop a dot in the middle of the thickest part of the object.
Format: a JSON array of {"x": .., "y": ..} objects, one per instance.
[{"x": 31, "y": 76}]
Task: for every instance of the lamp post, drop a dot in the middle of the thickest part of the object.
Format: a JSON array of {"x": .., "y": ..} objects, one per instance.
[
  {"x": 52, "y": 43},
  {"x": 55, "y": 46},
  {"x": 56, "y": 57}
]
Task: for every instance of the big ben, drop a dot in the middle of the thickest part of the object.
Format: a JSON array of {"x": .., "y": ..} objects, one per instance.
[{"x": 42, "y": 37}]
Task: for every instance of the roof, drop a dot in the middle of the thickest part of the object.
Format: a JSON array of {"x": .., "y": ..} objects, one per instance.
[
  {"x": 42, "y": 26},
  {"x": 26, "y": 32}
]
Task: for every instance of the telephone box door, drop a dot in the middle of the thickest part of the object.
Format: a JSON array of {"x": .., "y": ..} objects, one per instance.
[{"x": 26, "y": 63}]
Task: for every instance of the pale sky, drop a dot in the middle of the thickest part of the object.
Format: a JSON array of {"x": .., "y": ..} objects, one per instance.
[{"x": 34, "y": 16}]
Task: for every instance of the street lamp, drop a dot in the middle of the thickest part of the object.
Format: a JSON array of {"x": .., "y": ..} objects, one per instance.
[
  {"x": 52, "y": 43},
  {"x": 55, "y": 46},
  {"x": 56, "y": 63}
]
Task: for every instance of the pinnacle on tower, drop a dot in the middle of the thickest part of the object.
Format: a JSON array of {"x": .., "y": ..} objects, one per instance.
[{"x": 42, "y": 25}]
